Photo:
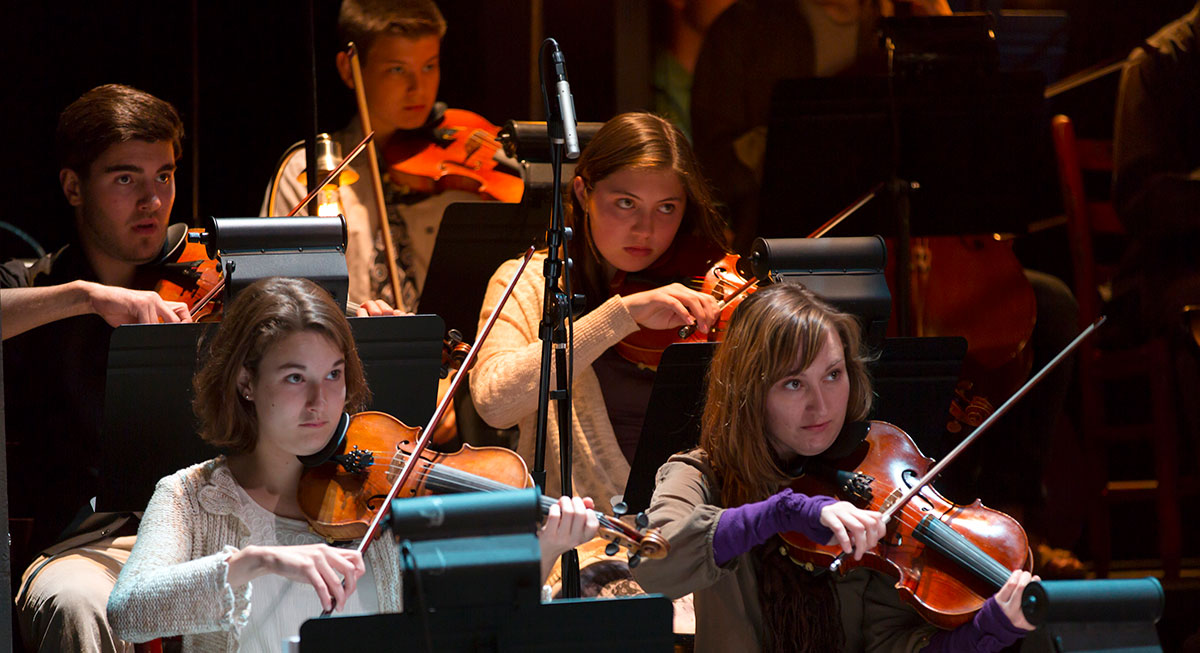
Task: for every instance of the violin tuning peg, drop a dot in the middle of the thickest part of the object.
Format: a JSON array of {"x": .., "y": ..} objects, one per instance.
[
  {"x": 611, "y": 549},
  {"x": 642, "y": 520},
  {"x": 619, "y": 508},
  {"x": 634, "y": 560}
]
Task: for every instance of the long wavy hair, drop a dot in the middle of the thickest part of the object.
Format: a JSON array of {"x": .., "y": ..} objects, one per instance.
[
  {"x": 768, "y": 333},
  {"x": 260, "y": 316},
  {"x": 638, "y": 141}
]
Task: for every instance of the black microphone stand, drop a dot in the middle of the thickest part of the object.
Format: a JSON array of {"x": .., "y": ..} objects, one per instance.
[{"x": 553, "y": 330}]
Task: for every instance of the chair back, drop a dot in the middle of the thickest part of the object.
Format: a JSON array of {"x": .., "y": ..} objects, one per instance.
[{"x": 1086, "y": 217}]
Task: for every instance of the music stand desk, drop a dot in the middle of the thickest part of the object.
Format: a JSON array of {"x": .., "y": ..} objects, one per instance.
[
  {"x": 637, "y": 623},
  {"x": 474, "y": 238},
  {"x": 977, "y": 147}
]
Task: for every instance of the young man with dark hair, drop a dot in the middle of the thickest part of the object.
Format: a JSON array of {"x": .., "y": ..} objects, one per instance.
[{"x": 117, "y": 148}]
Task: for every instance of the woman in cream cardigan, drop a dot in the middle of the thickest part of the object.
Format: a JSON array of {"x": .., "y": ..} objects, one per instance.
[
  {"x": 637, "y": 201},
  {"x": 224, "y": 556}
]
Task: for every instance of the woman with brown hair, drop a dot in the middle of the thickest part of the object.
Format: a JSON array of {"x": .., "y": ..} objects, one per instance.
[
  {"x": 280, "y": 372},
  {"x": 637, "y": 201},
  {"x": 786, "y": 380}
]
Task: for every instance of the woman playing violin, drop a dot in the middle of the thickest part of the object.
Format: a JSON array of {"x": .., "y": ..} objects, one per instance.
[
  {"x": 223, "y": 555},
  {"x": 636, "y": 200},
  {"x": 785, "y": 380}
]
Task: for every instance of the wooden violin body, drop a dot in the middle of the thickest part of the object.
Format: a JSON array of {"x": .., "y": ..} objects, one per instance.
[
  {"x": 340, "y": 497},
  {"x": 705, "y": 269},
  {"x": 187, "y": 275},
  {"x": 460, "y": 160},
  {"x": 947, "y": 558},
  {"x": 340, "y": 503}
]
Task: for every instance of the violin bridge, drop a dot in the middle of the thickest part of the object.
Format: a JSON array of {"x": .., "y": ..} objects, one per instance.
[{"x": 891, "y": 499}]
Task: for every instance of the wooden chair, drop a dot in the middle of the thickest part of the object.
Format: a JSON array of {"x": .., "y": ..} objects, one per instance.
[{"x": 1151, "y": 361}]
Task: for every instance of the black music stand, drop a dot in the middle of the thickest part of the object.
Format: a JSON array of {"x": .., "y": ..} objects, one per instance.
[
  {"x": 976, "y": 145},
  {"x": 150, "y": 431},
  {"x": 914, "y": 381},
  {"x": 637, "y": 623},
  {"x": 473, "y": 240}
]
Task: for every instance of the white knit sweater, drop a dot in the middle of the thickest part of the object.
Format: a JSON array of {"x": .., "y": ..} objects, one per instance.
[
  {"x": 175, "y": 582},
  {"x": 504, "y": 382}
]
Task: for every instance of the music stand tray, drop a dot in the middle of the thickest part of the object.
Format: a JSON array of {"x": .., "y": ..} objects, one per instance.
[
  {"x": 474, "y": 238},
  {"x": 637, "y": 623},
  {"x": 914, "y": 381},
  {"x": 149, "y": 428}
]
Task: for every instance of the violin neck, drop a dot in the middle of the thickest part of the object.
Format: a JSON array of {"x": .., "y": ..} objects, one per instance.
[
  {"x": 546, "y": 502},
  {"x": 444, "y": 478}
]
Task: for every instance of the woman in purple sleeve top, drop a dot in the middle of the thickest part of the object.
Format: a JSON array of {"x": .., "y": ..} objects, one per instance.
[{"x": 789, "y": 375}]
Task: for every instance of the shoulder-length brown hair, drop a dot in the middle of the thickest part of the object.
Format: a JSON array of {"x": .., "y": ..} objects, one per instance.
[
  {"x": 261, "y": 315},
  {"x": 767, "y": 333},
  {"x": 639, "y": 141}
]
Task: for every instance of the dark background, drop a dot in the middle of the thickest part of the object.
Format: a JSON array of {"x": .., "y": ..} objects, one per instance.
[{"x": 248, "y": 63}]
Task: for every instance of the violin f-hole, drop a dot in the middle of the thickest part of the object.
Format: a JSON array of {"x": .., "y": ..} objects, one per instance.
[{"x": 911, "y": 478}]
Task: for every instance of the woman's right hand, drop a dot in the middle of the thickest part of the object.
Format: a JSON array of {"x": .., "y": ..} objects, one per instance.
[
  {"x": 673, "y": 305},
  {"x": 322, "y": 566},
  {"x": 855, "y": 530}
]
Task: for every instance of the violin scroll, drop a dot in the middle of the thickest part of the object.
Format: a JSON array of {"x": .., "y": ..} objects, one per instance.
[{"x": 454, "y": 351}]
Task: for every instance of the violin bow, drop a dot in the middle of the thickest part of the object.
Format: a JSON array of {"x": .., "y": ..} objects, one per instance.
[
  {"x": 376, "y": 181},
  {"x": 895, "y": 503},
  {"x": 848, "y": 211},
  {"x": 427, "y": 433}
]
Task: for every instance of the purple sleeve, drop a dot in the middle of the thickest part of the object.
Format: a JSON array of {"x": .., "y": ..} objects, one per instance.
[
  {"x": 745, "y": 527},
  {"x": 988, "y": 632}
]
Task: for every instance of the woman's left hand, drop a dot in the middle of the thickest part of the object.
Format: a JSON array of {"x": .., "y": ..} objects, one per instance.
[
  {"x": 1009, "y": 598},
  {"x": 569, "y": 523}
]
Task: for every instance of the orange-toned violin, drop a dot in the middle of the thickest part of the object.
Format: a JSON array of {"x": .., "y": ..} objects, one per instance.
[
  {"x": 459, "y": 158},
  {"x": 947, "y": 558},
  {"x": 186, "y": 274}
]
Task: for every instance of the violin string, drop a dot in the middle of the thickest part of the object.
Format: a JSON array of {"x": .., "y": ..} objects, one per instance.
[{"x": 447, "y": 478}]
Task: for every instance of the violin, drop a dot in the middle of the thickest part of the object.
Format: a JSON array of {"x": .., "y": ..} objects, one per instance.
[
  {"x": 458, "y": 156},
  {"x": 726, "y": 278},
  {"x": 339, "y": 498},
  {"x": 712, "y": 272},
  {"x": 947, "y": 558},
  {"x": 186, "y": 274}
]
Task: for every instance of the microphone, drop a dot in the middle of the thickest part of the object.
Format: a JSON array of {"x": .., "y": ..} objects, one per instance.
[{"x": 566, "y": 104}]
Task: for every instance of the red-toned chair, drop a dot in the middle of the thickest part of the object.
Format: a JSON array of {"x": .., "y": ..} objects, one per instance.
[{"x": 1151, "y": 361}]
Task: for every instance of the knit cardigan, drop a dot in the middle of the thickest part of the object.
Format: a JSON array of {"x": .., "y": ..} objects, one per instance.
[
  {"x": 176, "y": 579},
  {"x": 504, "y": 382}
]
